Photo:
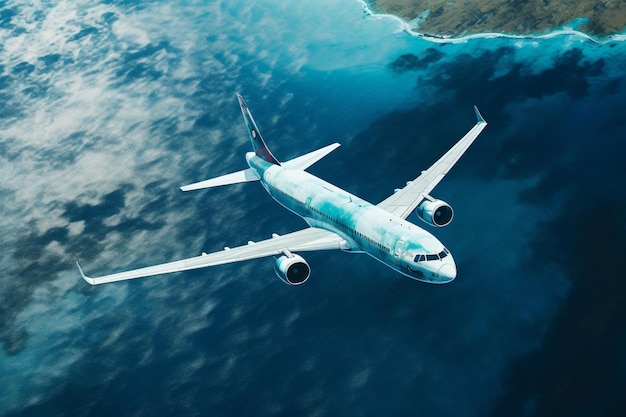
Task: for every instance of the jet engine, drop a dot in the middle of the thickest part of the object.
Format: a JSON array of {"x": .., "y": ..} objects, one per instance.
[
  {"x": 292, "y": 269},
  {"x": 435, "y": 212}
]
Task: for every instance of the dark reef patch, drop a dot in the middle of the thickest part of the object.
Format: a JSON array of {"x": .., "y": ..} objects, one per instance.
[
  {"x": 412, "y": 62},
  {"x": 471, "y": 77}
]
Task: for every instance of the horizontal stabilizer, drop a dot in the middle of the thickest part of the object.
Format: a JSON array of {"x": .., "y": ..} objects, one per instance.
[
  {"x": 305, "y": 161},
  {"x": 246, "y": 175}
]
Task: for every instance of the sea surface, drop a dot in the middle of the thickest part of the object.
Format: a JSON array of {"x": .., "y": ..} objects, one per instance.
[{"x": 108, "y": 107}]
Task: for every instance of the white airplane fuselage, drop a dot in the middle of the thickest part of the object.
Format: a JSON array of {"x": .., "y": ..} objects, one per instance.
[
  {"x": 369, "y": 229},
  {"x": 337, "y": 219}
]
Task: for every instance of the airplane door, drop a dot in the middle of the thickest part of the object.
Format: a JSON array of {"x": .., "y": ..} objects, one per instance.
[{"x": 399, "y": 247}]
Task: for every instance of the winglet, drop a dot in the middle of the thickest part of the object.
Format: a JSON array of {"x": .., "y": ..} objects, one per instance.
[
  {"x": 479, "y": 116},
  {"x": 85, "y": 277}
]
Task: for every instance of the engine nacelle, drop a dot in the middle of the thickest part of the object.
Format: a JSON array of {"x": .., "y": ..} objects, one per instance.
[
  {"x": 292, "y": 270},
  {"x": 435, "y": 212}
]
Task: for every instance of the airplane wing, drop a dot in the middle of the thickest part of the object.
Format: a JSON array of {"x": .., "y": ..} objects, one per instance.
[
  {"x": 311, "y": 239},
  {"x": 405, "y": 200}
]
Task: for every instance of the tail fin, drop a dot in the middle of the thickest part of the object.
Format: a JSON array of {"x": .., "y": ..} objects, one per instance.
[{"x": 258, "y": 144}]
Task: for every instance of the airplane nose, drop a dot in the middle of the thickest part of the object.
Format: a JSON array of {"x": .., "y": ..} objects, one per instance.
[{"x": 447, "y": 272}]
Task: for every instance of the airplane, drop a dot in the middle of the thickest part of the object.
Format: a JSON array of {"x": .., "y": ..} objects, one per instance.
[{"x": 337, "y": 219}]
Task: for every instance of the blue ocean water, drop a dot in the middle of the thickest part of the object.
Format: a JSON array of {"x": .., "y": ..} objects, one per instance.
[{"x": 108, "y": 107}]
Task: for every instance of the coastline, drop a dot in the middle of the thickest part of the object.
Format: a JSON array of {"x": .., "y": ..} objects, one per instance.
[{"x": 569, "y": 28}]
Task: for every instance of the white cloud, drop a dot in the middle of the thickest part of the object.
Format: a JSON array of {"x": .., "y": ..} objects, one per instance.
[{"x": 89, "y": 133}]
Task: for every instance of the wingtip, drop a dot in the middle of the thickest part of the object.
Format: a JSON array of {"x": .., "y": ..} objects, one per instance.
[
  {"x": 85, "y": 277},
  {"x": 479, "y": 117}
]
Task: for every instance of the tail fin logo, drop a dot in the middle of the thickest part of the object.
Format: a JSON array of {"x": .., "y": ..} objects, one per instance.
[{"x": 258, "y": 144}]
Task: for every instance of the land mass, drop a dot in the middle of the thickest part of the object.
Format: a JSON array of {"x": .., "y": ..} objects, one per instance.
[{"x": 454, "y": 18}]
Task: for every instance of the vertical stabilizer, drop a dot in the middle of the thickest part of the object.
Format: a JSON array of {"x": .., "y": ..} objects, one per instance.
[{"x": 258, "y": 144}]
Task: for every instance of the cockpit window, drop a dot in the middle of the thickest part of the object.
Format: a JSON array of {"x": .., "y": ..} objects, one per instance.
[{"x": 421, "y": 258}]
